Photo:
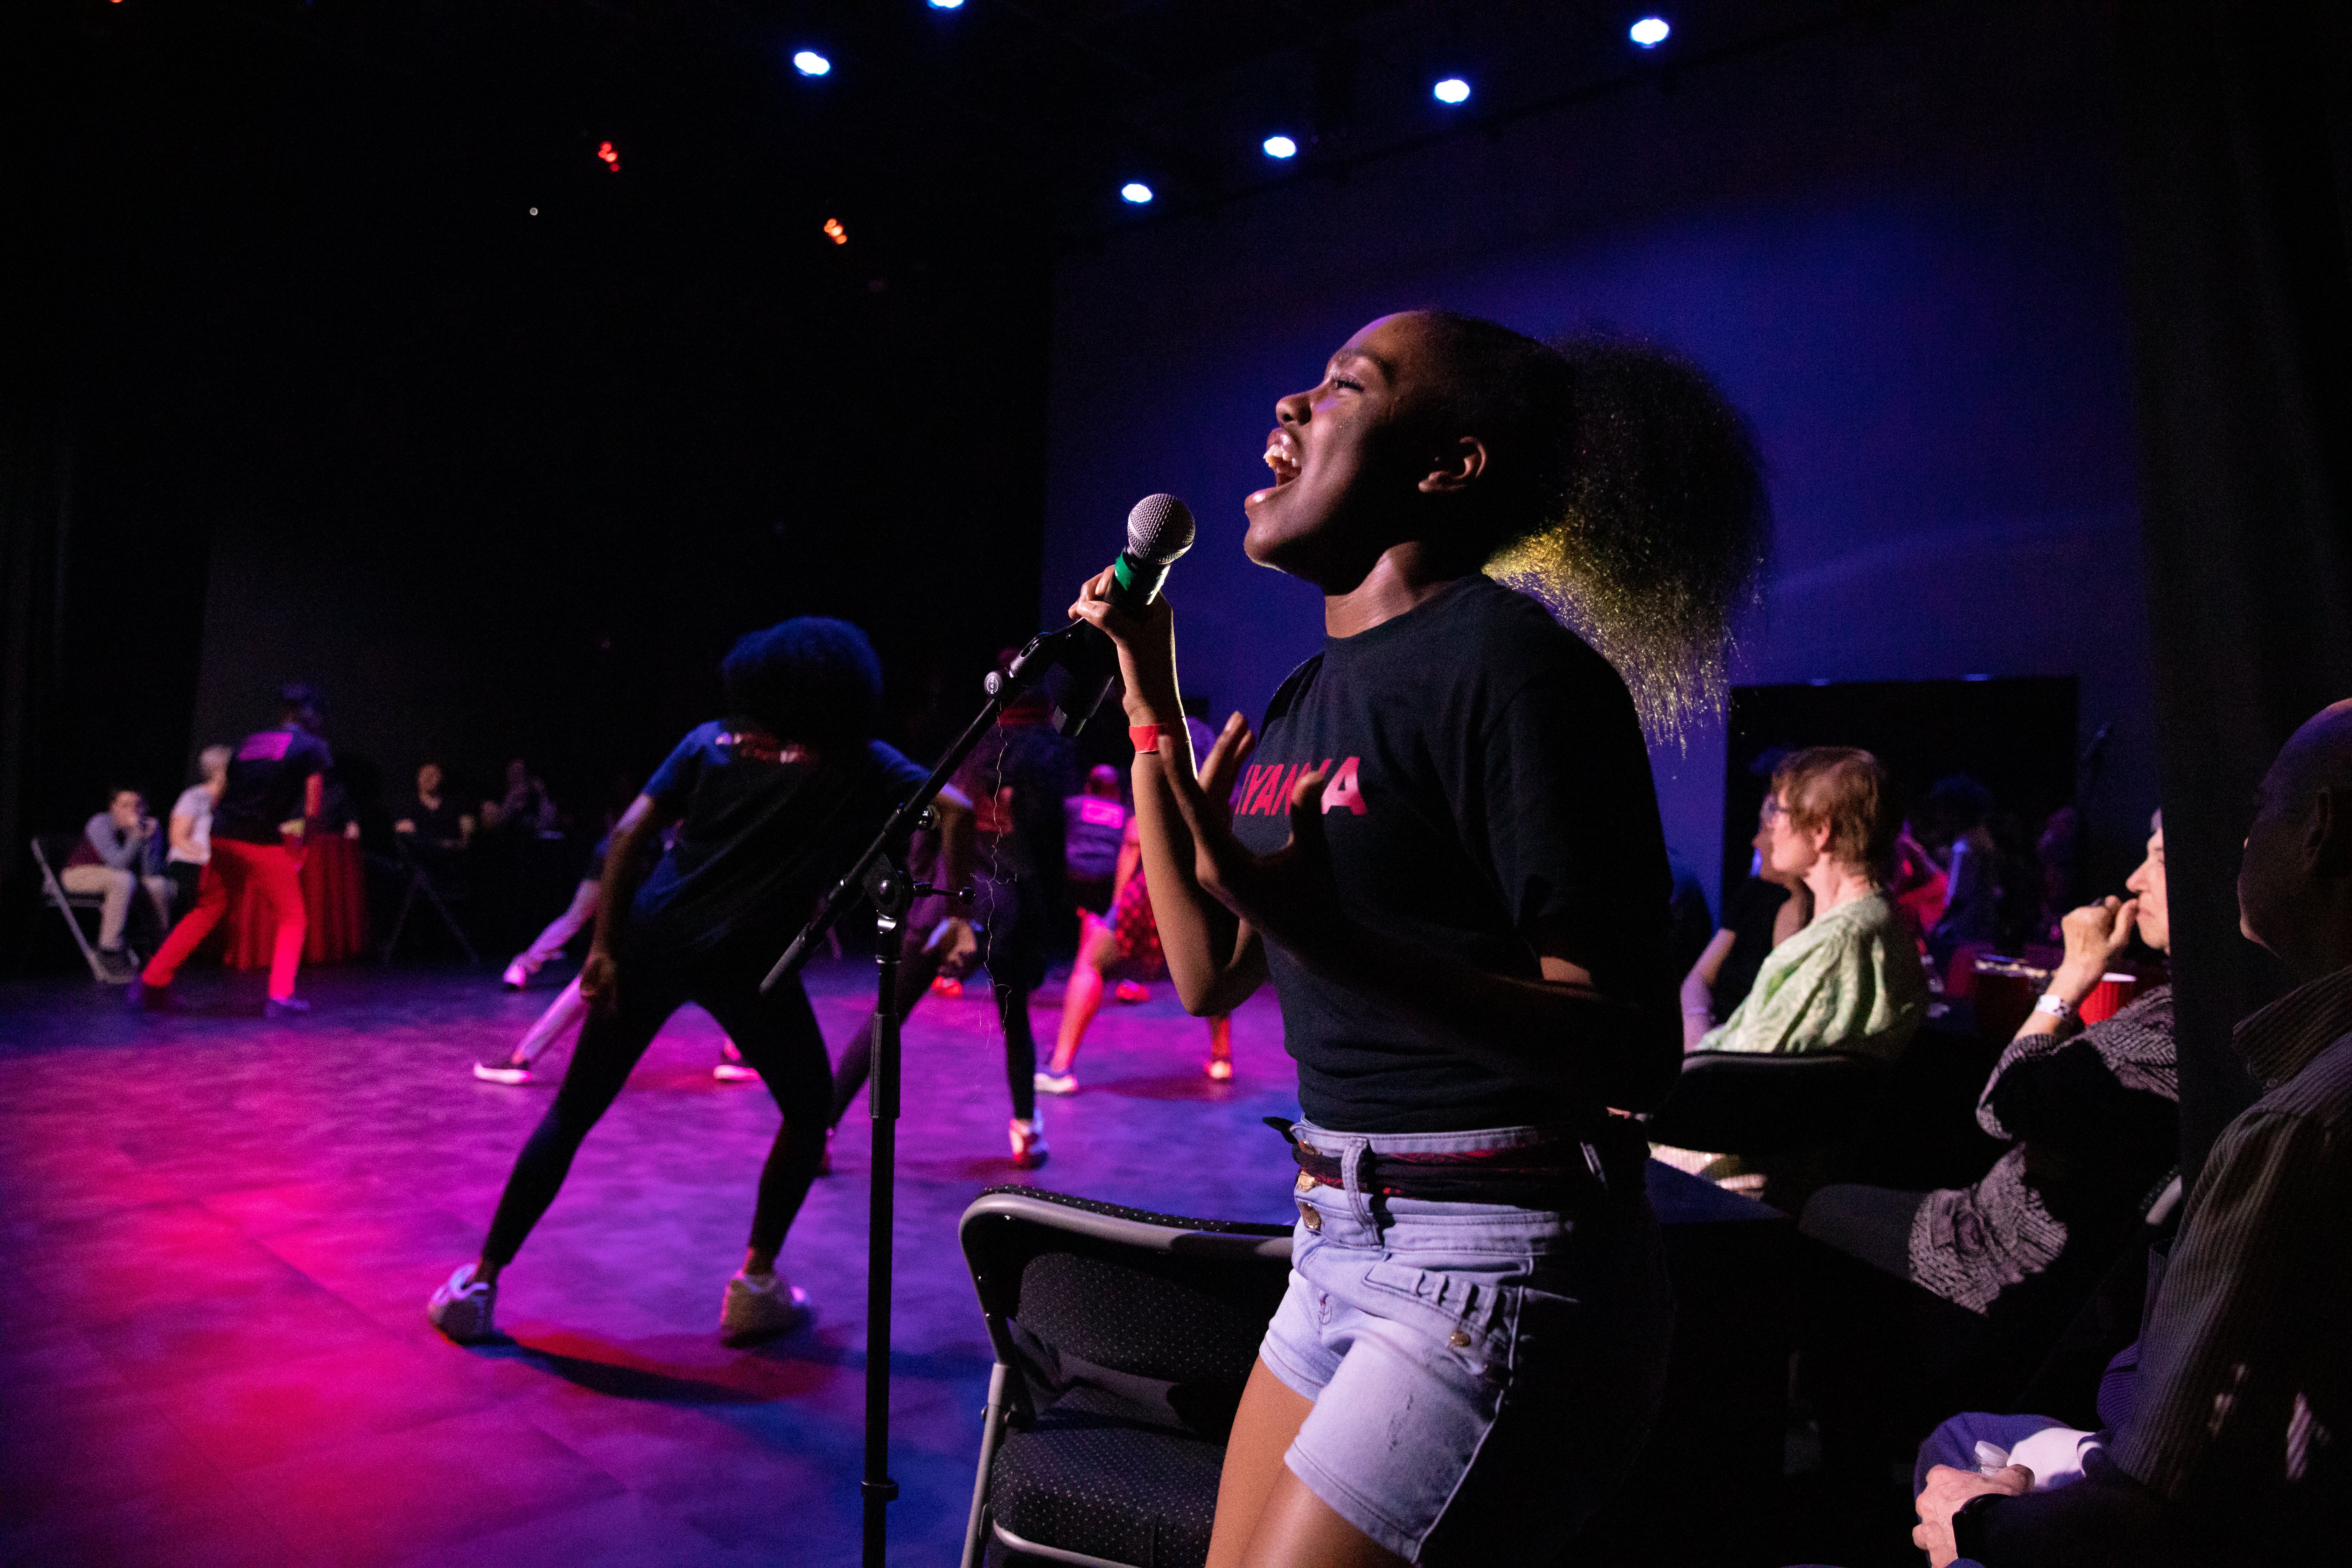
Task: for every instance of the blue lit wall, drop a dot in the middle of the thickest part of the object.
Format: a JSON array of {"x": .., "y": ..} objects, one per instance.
[{"x": 1899, "y": 251}]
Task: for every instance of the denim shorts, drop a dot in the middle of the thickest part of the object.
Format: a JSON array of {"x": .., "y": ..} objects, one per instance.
[{"x": 1481, "y": 1374}]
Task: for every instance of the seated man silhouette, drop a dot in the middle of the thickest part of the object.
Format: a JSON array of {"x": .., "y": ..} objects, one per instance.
[{"x": 2229, "y": 1423}]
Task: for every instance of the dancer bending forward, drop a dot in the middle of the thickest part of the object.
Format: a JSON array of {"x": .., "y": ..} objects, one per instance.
[
  {"x": 1445, "y": 851},
  {"x": 772, "y": 804}
]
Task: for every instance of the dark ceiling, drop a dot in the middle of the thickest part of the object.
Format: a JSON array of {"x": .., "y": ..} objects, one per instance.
[{"x": 1031, "y": 113}]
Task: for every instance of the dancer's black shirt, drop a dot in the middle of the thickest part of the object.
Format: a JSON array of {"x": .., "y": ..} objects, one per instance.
[
  {"x": 762, "y": 834},
  {"x": 1489, "y": 782},
  {"x": 266, "y": 783}
]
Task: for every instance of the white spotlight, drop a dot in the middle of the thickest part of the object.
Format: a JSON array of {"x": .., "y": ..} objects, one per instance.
[
  {"x": 1650, "y": 32},
  {"x": 1453, "y": 90},
  {"x": 1281, "y": 147},
  {"x": 1135, "y": 191},
  {"x": 808, "y": 62}
]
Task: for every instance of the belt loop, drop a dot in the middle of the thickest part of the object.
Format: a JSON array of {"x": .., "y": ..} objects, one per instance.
[{"x": 1355, "y": 1166}]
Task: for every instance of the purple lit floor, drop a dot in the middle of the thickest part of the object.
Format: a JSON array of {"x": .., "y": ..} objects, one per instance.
[{"x": 220, "y": 1235}]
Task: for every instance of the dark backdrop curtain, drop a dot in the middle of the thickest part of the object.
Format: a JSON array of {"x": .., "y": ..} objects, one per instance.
[{"x": 2238, "y": 167}]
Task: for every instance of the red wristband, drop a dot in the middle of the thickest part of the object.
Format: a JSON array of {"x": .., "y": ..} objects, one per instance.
[{"x": 1145, "y": 737}]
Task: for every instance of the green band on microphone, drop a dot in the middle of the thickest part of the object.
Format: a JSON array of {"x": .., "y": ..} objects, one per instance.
[{"x": 1123, "y": 571}]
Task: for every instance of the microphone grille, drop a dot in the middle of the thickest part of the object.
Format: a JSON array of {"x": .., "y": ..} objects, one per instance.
[{"x": 1159, "y": 530}]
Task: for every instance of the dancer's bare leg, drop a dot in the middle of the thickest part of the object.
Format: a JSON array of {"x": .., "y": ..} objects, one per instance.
[
  {"x": 1221, "y": 1046},
  {"x": 563, "y": 1016},
  {"x": 1082, "y": 998}
]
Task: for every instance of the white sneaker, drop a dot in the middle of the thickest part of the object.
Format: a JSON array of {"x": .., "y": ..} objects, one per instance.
[
  {"x": 462, "y": 1307},
  {"x": 760, "y": 1306},
  {"x": 1050, "y": 1083},
  {"x": 735, "y": 1072},
  {"x": 504, "y": 1070},
  {"x": 1028, "y": 1137}
]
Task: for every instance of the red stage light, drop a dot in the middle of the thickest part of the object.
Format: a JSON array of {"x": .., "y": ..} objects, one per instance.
[
  {"x": 605, "y": 151},
  {"x": 835, "y": 232}
]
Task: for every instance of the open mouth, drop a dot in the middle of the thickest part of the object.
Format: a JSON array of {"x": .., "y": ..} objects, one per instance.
[{"x": 1282, "y": 456}]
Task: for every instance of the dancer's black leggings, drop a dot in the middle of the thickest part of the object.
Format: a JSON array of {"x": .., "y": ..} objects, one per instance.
[
  {"x": 1013, "y": 951},
  {"x": 777, "y": 1035}
]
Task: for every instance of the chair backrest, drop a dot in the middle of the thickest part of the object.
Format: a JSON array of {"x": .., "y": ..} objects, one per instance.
[
  {"x": 49, "y": 853},
  {"x": 1739, "y": 1102},
  {"x": 1155, "y": 1317}
]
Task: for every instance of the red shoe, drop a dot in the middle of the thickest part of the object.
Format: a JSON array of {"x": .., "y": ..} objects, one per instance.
[
  {"x": 1131, "y": 993},
  {"x": 946, "y": 986}
]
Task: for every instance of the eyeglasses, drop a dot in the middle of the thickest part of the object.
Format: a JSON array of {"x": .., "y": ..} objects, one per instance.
[{"x": 1773, "y": 810}]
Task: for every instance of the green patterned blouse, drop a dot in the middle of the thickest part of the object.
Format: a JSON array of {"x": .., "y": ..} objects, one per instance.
[{"x": 1850, "y": 981}]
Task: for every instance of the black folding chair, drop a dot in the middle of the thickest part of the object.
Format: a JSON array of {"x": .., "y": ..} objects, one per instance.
[
  {"x": 420, "y": 884},
  {"x": 49, "y": 852},
  {"x": 1123, "y": 1340},
  {"x": 1738, "y": 1103}
]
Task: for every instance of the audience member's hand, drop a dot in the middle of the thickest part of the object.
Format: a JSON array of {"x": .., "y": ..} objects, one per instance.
[
  {"x": 2097, "y": 935},
  {"x": 599, "y": 981},
  {"x": 1946, "y": 1490}
]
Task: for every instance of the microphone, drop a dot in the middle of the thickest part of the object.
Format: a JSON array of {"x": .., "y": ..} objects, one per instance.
[{"x": 1159, "y": 530}]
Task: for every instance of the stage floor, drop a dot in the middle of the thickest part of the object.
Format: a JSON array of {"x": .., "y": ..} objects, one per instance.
[{"x": 221, "y": 1233}]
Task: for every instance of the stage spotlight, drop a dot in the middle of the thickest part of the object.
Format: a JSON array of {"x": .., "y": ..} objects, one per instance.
[
  {"x": 1453, "y": 90},
  {"x": 947, "y": 4},
  {"x": 1135, "y": 191},
  {"x": 808, "y": 62},
  {"x": 1650, "y": 32},
  {"x": 833, "y": 229},
  {"x": 1281, "y": 147},
  {"x": 609, "y": 155}
]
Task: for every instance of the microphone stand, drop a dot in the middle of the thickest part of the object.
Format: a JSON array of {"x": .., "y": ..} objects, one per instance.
[{"x": 880, "y": 874}]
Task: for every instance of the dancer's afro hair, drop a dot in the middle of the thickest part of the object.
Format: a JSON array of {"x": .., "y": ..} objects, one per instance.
[{"x": 810, "y": 679}]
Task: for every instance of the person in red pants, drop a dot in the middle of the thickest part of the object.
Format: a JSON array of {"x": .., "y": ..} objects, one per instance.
[{"x": 276, "y": 780}]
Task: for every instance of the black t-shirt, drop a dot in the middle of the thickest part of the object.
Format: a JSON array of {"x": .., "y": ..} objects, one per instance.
[
  {"x": 442, "y": 826},
  {"x": 1489, "y": 780},
  {"x": 265, "y": 782},
  {"x": 1749, "y": 914},
  {"x": 763, "y": 832}
]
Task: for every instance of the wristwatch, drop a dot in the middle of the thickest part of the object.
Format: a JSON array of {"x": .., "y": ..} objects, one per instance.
[
  {"x": 1968, "y": 1523},
  {"x": 2057, "y": 1007}
]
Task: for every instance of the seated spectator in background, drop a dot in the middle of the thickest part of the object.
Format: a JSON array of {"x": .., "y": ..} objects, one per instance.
[
  {"x": 1092, "y": 824},
  {"x": 2058, "y": 861},
  {"x": 2093, "y": 1118},
  {"x": 1917, "y": 884},
  {"x": 431, "y": 822},
  {"x": 1957, "y": 809},
  {"x": 119, "y": 852},
  {"x": 192, "y": 827},
  {"x": 1850, "y": 981},
  {"x": 1690, "y": 924},
  {"x": 2227, "y": 1422},
  {"x": 1761, "y": 915},
  {"x": 526, "y": 807}
]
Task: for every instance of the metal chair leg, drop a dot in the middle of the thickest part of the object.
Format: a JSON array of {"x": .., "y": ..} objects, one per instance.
[{"x": 992, "y": 1432}]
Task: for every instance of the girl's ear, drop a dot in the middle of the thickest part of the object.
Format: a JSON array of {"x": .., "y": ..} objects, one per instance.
[{"x": 1456, "y": 466}]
